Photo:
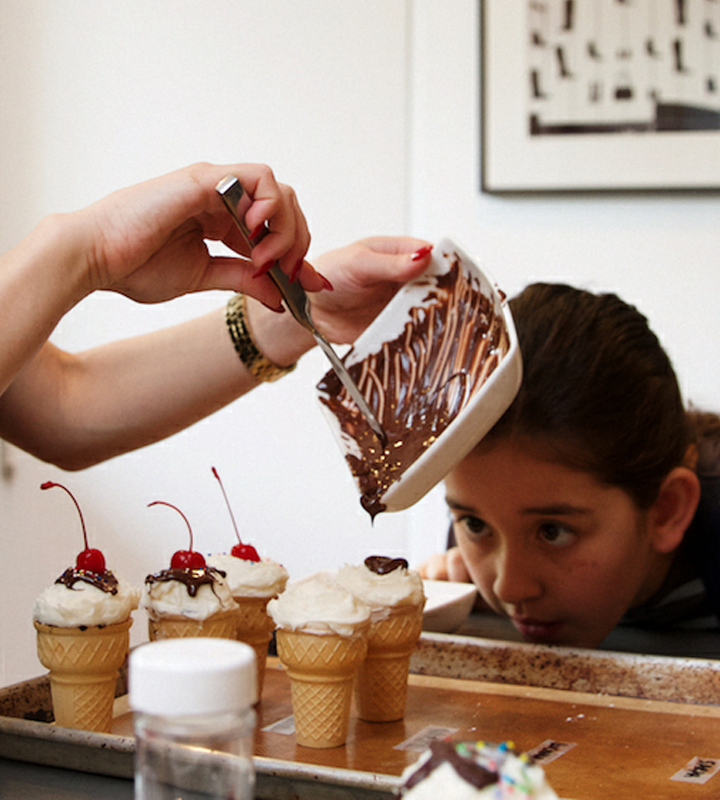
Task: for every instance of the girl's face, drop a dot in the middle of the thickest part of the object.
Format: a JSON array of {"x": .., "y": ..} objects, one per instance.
[{"x": 559, "y": 553}]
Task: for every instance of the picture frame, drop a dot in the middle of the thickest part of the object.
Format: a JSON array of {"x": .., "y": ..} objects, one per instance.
[{"x": 600, "y": 95}]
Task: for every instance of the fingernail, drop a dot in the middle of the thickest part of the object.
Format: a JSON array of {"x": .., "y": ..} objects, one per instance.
[
  {"x": 326, "y": 283},
  {"x": 260, "y": 228},
  {"x": 263, "y": 270},
  {"x": 295, "y": 271},
  {"x": 277, "y": 309},
  {"x": 422, "y": 252}
]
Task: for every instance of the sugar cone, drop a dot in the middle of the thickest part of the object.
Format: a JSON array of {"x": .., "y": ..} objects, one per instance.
[
  {"x": 381, "y": 687},
  {"x": 255, "y": 628},
  {"x": 84, "y": 665},
  {"x": 321, "y": 670},
  {"x": 222, "y": 625}
]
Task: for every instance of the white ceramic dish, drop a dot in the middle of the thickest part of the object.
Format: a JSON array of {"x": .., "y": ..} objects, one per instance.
[
  {"x": 479, "y": 414},
  {"x": 448, "y": 605}
]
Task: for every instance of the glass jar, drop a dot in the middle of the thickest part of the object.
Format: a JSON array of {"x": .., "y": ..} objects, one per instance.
[{"x": 194, "y": 720}]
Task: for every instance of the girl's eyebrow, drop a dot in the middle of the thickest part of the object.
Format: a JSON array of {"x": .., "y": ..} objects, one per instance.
[
  {"x": 454, "y": 505},
  {"x": 559, "y": 510},
  {"x": 555, "y": 510}
]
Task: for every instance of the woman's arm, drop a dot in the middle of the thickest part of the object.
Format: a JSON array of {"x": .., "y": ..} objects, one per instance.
[
  {"x": 75, "y": 410},
  {"x": 148, "y": 242}
]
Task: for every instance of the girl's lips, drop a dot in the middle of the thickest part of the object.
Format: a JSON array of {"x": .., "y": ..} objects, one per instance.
[{"x": 535, "y": 630}]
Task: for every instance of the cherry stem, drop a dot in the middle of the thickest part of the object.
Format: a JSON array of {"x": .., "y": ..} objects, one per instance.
[
  {"x": 50, "y": 485},
  {"x": 170, "y": 505},
  {"x": 227, "y": 503}
]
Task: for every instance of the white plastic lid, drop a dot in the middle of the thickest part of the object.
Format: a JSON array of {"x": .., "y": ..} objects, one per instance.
[{"x": 174, "y": 677}]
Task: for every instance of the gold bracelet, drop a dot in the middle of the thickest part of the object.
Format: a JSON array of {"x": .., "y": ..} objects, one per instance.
[{"x": 259, "y": 365}]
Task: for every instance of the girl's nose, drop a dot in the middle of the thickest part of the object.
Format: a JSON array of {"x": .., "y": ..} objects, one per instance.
[{"x": 517, "y": 578}]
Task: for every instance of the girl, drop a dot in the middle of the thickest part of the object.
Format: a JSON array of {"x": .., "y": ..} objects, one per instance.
[{"x": 581, "y": 507}]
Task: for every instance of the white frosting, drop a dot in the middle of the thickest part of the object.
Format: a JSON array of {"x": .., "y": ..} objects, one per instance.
[
  {"x": 172, "y": 599},
  {"x": 85, "y": 604},
  {"x": 264, "y": 578},
  {"x": 401, "y": 587},
  {"x": 319, "y": 604},
  {"x": 518, "y": 779},
  {"x": 516, "y": 774},
  {"x": 445, "y": 782}
]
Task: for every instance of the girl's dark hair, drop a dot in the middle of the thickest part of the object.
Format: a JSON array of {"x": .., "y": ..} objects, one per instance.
[{"x": 598, "y": 389}]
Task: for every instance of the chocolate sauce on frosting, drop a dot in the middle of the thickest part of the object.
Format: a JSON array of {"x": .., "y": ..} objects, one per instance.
[
  {"x": 384, "y": 565},
  {"x": 466, "y": 767},
  {"x": 105, "y": 581},
  {"x": 192, "y": 578},
  {"x": 418, "y": 383}
]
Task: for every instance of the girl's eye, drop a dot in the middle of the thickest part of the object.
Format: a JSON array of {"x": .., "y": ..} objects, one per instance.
[
  {"x": 556, "y": 535},
  {"x": 474, "y": 527}
]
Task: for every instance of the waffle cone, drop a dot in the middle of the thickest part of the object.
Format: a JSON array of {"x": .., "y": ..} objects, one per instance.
[
  {"x": 255, "y": 627},
  {"x": 222, "y": 625},
  {"x": 322, "y": 670},
  {"x": 381, "y": 687},
  {"x": 84, "y": 665}
]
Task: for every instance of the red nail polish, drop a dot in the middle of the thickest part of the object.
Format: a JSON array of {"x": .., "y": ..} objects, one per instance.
[
  {"x": 278, "y": 310},
  {"x": 422, "y": 252},
  {"x": 263, "y": 270},
  {"x": 260, "y": 229},
  {"x": 326, "y": 283}
]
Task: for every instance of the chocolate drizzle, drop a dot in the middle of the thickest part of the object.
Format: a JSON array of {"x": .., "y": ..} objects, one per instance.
[
  {"x": 192, "y": 578},
  {"x": 466, "y": 768},
  {"x": 105, "y": 581},
  {"x": 383, "y": 565},
  {"x": 418, "y": 383}
]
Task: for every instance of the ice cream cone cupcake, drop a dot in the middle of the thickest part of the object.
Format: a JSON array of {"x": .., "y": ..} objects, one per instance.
[
  {"x": 221, "y": 625},
  {"x": 82, "y": 622},
  {"x": 253, "y": 583},
  {"x": 460, "y": 769},
  {"x": 182, "y": 602},
  {"x": 396, "y": 600},
  {"x": 188, "y": 599},
  {"x": 321, "y": 640},
  {"x": 84, "y": 665}
]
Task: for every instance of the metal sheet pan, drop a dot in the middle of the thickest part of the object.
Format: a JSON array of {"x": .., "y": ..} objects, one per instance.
[{"x": 27, "y": 735}]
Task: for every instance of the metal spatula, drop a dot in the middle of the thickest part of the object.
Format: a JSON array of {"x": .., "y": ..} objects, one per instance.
[{"x": 231, "y": 191}]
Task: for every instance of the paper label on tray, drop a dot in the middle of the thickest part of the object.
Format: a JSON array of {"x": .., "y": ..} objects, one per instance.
[
  {"x": 549, "y": 750},
  {"x": 698, "y": 770},
  {"x": 286, "y": 726},
  {"x": 422, "y": 739}
]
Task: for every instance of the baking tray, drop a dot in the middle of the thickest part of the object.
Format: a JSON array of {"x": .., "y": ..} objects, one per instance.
[{"x": 645, "y": 718}]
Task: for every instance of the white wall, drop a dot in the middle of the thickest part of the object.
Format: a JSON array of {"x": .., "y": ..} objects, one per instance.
[
  {"x": 659, "y": 252},
  {"x": 100, "y": 95},
  {"x": 370, "y": 109}
]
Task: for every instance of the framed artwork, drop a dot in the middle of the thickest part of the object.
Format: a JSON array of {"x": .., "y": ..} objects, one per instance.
[{"x": 588, "y": 95}]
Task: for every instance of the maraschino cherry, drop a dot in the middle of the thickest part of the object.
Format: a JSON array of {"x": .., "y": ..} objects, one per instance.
[
  {"x": 240, "y": 550},
  {"x": 183, "y": 559},
  {"x": 91, "y": 559}
]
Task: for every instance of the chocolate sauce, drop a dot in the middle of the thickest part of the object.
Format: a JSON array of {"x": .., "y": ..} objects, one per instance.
[
  {"x": 383, "y": 565},
  {"x": 105, "y": 581},
  {"x": 192, "y": 578},
  {"x": 418, "y": 383},
  {"x": 470, "y": 771}
]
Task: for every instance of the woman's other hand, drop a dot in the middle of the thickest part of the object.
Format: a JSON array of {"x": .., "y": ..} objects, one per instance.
[{"x": 364, "y": 275}]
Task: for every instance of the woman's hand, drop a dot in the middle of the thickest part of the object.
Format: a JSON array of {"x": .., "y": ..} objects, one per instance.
[
  {"x": 365, "y": 275},
  {"x": 149, "y": 241}
]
